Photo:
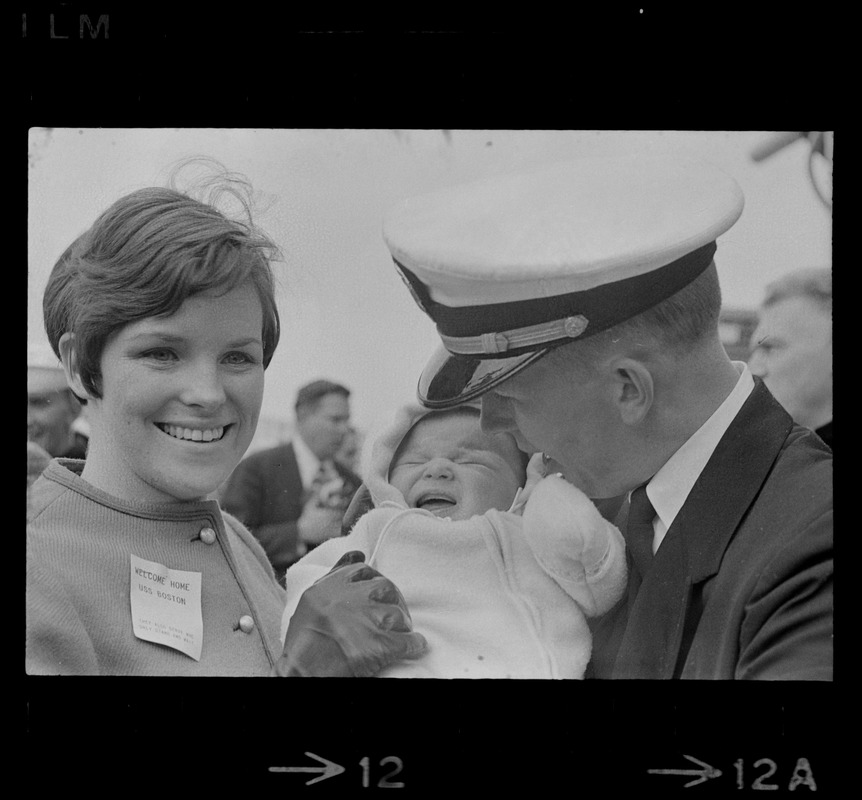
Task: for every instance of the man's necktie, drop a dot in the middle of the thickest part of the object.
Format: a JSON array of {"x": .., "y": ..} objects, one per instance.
[
  {"x": 325, "y": 473},
  {"x": 317, "y": 482},
  {"x": 639, "y": 529},
  {"x": 328, "y": 487}
]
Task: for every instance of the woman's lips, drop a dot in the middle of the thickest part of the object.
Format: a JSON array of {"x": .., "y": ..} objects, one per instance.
[{"x": 203, "y": 435}]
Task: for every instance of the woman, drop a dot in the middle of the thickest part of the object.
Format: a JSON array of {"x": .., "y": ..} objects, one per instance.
[{"x": 164, "y": 317}]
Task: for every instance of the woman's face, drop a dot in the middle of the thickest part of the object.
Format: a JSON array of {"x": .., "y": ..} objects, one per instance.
[{"x": 180, "y": 399}]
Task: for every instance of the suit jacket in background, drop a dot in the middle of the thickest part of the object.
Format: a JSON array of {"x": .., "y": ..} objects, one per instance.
[
  {"x": 741, "y": 586},
  {"x": 265, "y": 492}
]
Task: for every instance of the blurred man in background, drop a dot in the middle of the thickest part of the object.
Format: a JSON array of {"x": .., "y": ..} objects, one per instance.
[
  {"x": 293, "y": 496},
  {"x": 37, "y": 459},
  {"x": 52, "y": 409},
  {"x": 792, "y": 347}
]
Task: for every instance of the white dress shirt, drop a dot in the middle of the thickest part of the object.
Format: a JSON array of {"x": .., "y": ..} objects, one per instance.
[
  {"x": 670, "y": 486},
  {"x": 307, "y": 462}
]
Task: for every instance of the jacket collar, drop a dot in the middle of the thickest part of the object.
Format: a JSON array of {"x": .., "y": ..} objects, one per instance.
[
  {"x": 693, "y": 547},
  {"x": 731, "y": 481}
]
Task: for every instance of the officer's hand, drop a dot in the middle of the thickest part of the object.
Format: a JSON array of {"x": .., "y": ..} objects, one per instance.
[
  {"x": 318, "y": 523},
  {"x": 351, "y": 623}
]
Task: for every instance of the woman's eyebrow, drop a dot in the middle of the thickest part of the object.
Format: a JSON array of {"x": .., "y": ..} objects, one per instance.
[
  {"x": 173, "y": 338},
  {"x": 245, "y": 342},
  {"x": 162, "y": 336}
]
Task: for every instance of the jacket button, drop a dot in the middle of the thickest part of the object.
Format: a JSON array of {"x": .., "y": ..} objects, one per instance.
[
  {"x": 208, "y": 535},
  {"x": 246, "y": 624}
]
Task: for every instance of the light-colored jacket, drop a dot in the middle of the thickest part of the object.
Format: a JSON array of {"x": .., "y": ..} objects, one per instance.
[{"x": 80, "y": 543}]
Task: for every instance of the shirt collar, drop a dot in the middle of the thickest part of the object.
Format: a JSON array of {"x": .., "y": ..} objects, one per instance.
[{"x": 670, "y": 486}]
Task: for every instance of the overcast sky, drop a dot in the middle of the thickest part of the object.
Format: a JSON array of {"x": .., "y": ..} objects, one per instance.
[{"x": 345, "y": 313}]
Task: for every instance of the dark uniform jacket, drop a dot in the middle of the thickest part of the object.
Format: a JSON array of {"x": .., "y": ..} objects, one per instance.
[
  {"x": 741, "y": 586},
  {"x": 265, "y": 492}
]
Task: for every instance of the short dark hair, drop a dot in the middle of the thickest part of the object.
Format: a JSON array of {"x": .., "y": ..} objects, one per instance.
[
  {"x": 687, "y": 316},
  {"x": 309, "y": 396},
  {"x": 148, "y": 253},
  {"x": 676, "y": 323}
]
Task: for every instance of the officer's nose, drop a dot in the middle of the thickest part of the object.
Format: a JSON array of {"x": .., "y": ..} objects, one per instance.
[
  {"x": 496, "y": 416},
  {"x": 757, "y": 363}
]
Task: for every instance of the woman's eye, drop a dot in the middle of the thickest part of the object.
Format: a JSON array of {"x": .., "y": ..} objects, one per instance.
[
  {"x": 159, "y": 354},
  {"x": 239, "y": 358}
]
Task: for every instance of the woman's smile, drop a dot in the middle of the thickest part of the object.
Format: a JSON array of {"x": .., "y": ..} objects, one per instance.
[{"x": 194, "y": 434}]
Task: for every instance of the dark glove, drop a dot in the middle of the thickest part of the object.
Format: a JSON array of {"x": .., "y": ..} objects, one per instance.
[
  {"x": 359, "y": 505},
  {"x": 351, "y": 623}
]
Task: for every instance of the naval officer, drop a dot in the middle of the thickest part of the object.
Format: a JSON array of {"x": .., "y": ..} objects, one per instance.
[{"x": 581, "y": 304}]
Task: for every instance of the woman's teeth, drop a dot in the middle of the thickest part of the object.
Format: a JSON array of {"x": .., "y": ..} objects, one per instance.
[{"x": 193, "y": 434}]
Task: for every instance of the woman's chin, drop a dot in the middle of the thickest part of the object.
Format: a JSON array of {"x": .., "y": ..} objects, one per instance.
[{"x": 183, "y": 491}]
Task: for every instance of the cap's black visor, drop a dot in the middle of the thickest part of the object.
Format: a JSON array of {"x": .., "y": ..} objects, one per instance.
[{"x": 449, "y": 380}]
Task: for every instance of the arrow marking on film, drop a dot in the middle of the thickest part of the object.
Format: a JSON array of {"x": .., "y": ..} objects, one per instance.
[
  {"x": 329, "y": 769},
  {"x": 703, "y": 774}
]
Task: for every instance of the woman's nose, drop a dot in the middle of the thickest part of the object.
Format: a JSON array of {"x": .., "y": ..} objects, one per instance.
[{"x": 203, "y": 387}]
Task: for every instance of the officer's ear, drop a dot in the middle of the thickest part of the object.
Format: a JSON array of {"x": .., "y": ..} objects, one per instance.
[
  {"x": 633, "y": 389},
  {"x": 70, "y": 365}
]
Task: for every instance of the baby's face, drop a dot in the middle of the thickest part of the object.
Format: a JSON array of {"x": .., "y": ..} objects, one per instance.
[{"x": 448, "y": 466}]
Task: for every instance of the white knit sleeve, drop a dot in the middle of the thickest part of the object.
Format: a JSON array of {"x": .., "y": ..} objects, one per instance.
[{"x": 575, "y": 545}]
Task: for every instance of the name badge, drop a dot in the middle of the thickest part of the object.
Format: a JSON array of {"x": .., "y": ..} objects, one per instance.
[{"x": 166, "y": 606}]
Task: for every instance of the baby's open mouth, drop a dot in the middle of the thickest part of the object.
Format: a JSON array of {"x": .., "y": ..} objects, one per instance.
[
  {"x": 435, "y": 503},
  {"x": 193, "y": 434}
]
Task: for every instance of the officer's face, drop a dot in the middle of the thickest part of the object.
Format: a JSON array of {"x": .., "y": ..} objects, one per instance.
[
  {"x": 793, "y": 355},
  {"x": 566, "y": 414}
]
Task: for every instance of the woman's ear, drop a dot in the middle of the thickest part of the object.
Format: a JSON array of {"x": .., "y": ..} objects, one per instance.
[
  {"x": 633, "y": 389},
  {"x": 70, "y": 365}
]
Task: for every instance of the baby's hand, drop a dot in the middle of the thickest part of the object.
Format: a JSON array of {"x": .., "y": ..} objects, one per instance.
[
  {"x": 564, "y": 529},
  {"x": 536, "y": 471}
]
